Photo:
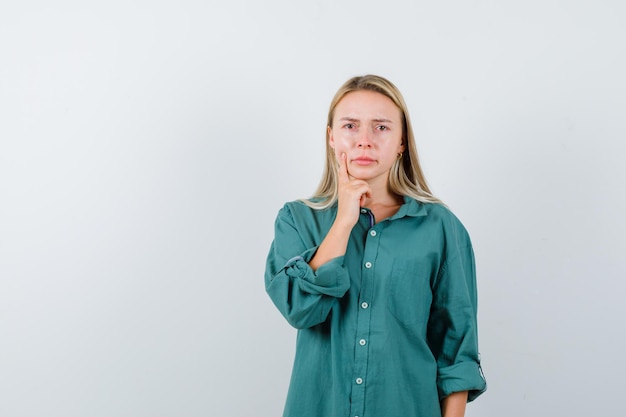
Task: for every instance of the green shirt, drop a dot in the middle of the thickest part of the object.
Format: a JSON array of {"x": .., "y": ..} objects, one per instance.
[{"x": 388, "y": 329}]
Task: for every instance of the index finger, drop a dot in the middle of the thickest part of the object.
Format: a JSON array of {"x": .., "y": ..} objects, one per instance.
[{"x": 344, "y": 175}]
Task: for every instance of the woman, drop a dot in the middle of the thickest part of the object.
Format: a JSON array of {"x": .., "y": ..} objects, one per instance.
[{"x": 377, "y": 275}]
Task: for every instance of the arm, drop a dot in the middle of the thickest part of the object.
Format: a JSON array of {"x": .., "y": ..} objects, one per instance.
[
  {"x": 454, "y": 405},
  {"x": 333, "y": 245},
  {"x": 452, "y": 326},
  {"x": 351, "y": 195},
  {"x": 303, "y": 296},
  {"x": 305, "y": 281}
]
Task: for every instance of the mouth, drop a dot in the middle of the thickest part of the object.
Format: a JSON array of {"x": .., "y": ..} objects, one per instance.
[{"x": 363, "y": 160}]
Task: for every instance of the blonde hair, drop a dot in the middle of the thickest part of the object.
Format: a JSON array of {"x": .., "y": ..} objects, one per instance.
[{"x": 405, "y": 176}]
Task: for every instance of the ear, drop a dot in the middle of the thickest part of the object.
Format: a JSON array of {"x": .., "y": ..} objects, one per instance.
[
  {"x": 331, "y": 139},
  {"x": 401, "y": 148}
]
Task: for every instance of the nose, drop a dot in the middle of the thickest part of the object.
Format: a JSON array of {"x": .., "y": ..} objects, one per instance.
[{"x": 364, "y": 140}]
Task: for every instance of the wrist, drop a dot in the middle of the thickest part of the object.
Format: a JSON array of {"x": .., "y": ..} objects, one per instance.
[{"x": 341, "y": 228}]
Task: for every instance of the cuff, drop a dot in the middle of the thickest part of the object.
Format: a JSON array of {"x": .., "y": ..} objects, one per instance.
[
  {"x": 464, "y": 376},
  {"x": 330, "y": 279}
]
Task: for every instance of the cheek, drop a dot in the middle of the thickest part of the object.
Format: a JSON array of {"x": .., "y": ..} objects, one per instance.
[{"x": 341, "y": 143}]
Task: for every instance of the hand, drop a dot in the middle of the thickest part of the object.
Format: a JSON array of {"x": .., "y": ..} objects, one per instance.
[{"x": 352, "y": 194}]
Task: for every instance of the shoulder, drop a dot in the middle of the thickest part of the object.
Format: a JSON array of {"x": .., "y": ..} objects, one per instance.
[
  {"x": 297, "y": 207},
  {"x": 450, "y": 224},
  {"x": 298, "y": 211},
  {"x": 308, "y": 223},
  {"x": 440, "y": 212}
]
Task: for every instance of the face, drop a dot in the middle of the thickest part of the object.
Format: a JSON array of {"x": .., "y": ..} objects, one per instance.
[{"x": 367, "y": 127}]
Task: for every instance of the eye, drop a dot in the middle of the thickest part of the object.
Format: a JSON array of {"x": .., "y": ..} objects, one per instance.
[
  {"x": 349, "y": 126},
  {"x": 382, "y": 127}
]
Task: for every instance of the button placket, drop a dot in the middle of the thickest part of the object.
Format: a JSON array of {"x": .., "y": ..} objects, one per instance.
[{"x": 362, "y": 341}]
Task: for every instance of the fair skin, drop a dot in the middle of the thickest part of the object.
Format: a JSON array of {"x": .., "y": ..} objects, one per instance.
[
  {"x": 366, "y": 136},
  {"x": 454, "y": 404}
]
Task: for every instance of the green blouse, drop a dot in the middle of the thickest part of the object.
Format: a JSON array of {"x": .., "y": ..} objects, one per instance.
[{"x": 389, "y": 329}]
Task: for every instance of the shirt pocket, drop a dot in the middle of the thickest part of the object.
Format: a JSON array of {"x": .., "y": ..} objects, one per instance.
[{"x": 410, "y": 295}]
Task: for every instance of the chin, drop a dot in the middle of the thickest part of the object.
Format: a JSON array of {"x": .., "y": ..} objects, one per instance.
[{"x": 364, "y": 176}]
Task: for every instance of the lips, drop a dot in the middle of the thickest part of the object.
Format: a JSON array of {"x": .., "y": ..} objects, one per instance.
[{"x": 363, "y": 160}]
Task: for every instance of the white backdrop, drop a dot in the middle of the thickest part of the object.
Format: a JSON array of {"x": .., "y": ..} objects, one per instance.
[{"x": 145, "y": 148}]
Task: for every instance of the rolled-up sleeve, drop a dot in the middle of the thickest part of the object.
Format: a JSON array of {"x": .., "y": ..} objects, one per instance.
[
  {"x": 452, "y": 332},
  {"x": 303, "y": 296}
]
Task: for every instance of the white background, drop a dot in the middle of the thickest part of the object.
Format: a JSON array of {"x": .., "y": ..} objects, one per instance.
[{"x": 145, "y": 148}]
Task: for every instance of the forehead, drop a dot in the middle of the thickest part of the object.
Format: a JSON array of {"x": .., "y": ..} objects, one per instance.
[{"x": 365, "y": 104}]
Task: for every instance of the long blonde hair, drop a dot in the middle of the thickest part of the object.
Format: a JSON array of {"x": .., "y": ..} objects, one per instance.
[{"x": 405, "y": 176}]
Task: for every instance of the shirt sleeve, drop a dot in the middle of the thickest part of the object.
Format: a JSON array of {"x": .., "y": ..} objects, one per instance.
[
  {"x": 303, "y": 296},
  {"x": 452, "y": 331}
]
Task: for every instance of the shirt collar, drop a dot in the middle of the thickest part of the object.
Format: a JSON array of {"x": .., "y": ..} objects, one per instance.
[{"x": 411, "y": 208}]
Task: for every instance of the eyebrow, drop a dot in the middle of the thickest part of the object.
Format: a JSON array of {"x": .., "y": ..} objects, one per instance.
[{"x": 352, "y": 119}]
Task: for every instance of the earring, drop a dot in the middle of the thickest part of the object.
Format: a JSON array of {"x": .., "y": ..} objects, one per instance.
[{"x": 400, "y": 155}]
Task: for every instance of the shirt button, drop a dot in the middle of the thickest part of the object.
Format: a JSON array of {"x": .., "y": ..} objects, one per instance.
[
  {"x": 362, "y": 342},
  {"x": 359, "y": 381},
  {"x": 364, "y": 305},
  {"x": 368, "y": 265},
  {"x": 372, "y": 232}
]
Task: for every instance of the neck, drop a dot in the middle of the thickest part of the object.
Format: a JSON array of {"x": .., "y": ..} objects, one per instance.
[
  {"x": 382, "y": 202},
  {"x": 381, "y": 195}
]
